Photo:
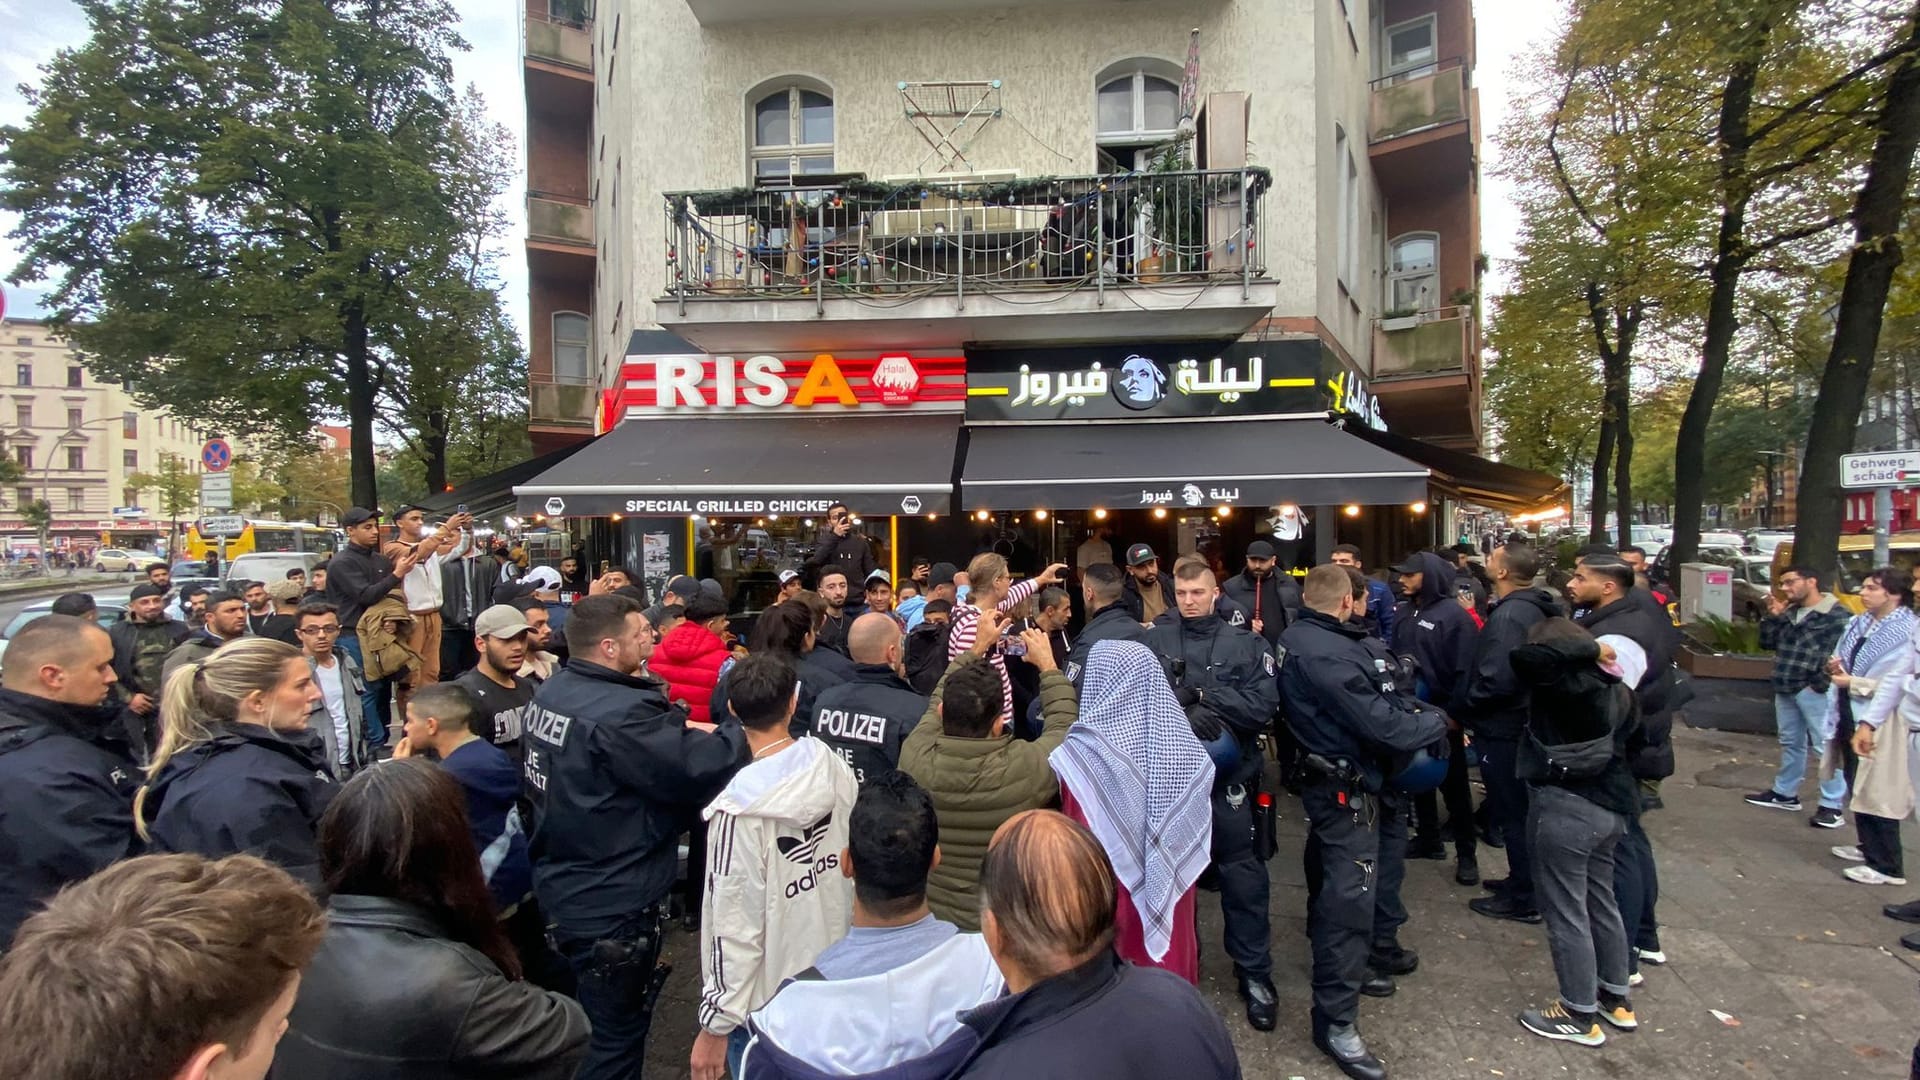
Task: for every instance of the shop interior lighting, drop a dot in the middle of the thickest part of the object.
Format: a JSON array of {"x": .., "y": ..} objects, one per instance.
[
  {"x": 1226, "y": 511},
  {"x": 1160, "y": 512},
  {"x": 617, "y": 517},
  {"x": 1039, "y": 515},
  {"x": 807, "y": 523},
  {"x": 1419, "y": 508},
  {"x": 1099, "y": 514},
  {"x": 1351, "y": 510},
  {"x": 981, "y": 515}
]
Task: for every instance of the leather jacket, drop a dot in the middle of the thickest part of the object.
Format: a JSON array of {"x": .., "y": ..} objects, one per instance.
[{"x": 390, "y": 997}]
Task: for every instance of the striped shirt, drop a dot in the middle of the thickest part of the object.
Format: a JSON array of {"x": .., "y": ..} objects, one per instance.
[{"x": 966, "y": 627}]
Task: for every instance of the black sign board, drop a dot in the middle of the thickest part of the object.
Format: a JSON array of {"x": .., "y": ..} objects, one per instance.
[{"x": 1155, "y": 380}]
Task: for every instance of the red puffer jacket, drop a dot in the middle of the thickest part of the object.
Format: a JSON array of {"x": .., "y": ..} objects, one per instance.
[{"x": 689, "y": 659}]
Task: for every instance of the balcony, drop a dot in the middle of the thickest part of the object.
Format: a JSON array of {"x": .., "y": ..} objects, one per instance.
[
  {"x": 562, "y": 404},
  {"x": 555, "y": 219},
  {"x": 1427, "y": 377},
  {"x": 1150, "y": 255},
  {"x": 1433, "y": 342},
  {"x": 1407, "y": 104},
  {"x": 559, "y": 32},
  {"x": 726, "y": 12}
]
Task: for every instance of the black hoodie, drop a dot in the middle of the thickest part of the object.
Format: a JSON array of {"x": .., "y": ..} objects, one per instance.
[
  {"x": 1496, "y": 699},
  {"x": 1438, "y": 633},
  {"x": 1573, "y": 701}
]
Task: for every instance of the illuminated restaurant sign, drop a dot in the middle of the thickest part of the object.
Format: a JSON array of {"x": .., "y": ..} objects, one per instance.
[{"x": 683, "y": 384}]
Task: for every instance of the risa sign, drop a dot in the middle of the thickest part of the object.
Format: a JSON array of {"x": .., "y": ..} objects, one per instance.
[{"x": 693, "y": 383}]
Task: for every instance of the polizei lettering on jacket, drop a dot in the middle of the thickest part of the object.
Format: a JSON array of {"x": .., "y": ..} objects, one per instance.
[
  {"x": 728, "y": 507},
  {"x": 859, "y": 727},
  {"x": 544, "y": 727}
]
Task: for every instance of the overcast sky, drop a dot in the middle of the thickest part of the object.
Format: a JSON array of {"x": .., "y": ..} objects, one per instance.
[{"x": 35, "y": 28}]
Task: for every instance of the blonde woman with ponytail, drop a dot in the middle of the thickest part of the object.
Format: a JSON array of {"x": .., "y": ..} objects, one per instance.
[{"x": 237, "y": 770}]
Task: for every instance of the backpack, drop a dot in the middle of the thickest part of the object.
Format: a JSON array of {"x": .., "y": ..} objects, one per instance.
[{"x": 927, "y": 656}]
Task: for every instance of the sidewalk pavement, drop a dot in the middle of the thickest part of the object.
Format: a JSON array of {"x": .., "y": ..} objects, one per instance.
[{"x": 1757, "y": 923}]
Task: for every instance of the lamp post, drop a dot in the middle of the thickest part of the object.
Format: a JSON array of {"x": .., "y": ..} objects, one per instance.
[{"x": 46, "y": 488}]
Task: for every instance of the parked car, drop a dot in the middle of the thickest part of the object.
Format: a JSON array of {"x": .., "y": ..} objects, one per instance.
[
  {"x": 108, "y": 614},
  {"x": 1752, "y": 586},
  {"x": 1767, "y": 541},
  {"x": 1856, "y": 559},
  {"x": 114, "y": 560},
  {"x": 271, "y": 566},
  {"x": 1661, "y": 572}
]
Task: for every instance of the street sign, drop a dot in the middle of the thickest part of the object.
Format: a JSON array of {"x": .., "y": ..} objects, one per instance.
[
  {"x": 1893, "y": 469},
  {"x": 216, "y": 491},
  {"x": 129, "y": 511},
  {"x": 226, "y": 525},
  {"x": 216, "y": 455}
]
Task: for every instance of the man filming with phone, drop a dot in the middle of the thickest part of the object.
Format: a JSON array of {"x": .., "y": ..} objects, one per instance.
[
  {"x": 422, "y": 584},
  {"x": 839, "y": 546}
]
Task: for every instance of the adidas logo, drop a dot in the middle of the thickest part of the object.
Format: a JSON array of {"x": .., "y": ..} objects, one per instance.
[{"x": 801, "y": 849}]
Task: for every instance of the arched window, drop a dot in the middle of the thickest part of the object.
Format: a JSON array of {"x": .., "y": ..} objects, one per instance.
[
  {"x": 572, "y": 336},
  {"x": 1136, "y": 107},
  {"x": 1413, "y": 272},
  {"x": 792, "y": 132}
]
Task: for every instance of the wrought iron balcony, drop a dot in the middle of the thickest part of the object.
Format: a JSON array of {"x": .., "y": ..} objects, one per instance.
[
  {"x": 893, "y": 244},
  {"x": 1434, "y": 342},
  {"x": 1412, "y": 102}
]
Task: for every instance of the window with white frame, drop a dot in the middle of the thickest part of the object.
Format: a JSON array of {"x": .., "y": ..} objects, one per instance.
[
  {"x": 1349, "y": 222},
  {"x": 1410, "y": 49},
  {"x": 792, "y": 133},
  {"x": 572, "y": 338},
  {"x": 1136, "y": 109},
  {"x": 1413, "y": 272}
]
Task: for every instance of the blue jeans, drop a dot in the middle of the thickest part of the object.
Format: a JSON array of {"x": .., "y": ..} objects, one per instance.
[
  {"x": 1802, "y": 719},
  {"x": 376, "y": 703}
]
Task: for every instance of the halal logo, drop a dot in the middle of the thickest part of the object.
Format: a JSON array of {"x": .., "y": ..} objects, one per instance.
[
  {"x": 1141, "y": 385},
  {"x": 801, "y": 849},
  {"x": 910, "y": 504},
  {"x": 556, "y": 506}
]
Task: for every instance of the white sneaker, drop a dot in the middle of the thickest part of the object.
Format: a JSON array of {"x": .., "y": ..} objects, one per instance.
[
  {"x": 1636, "y": 979},
  {"x": 1849, "y": 852},
  {"x": 1867, "y": 875},
  {"x": 1652, "y": 956}
]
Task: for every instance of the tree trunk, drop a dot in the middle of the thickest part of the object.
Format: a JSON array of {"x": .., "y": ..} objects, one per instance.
[
  {"x": 1602, "y": 460},
  {"x": 360, "y": 402},
  {"x": 1729, "y": 260},
  {"x": 1863, "y": 299},
  {"x": 433, "y": 445},
  {"x": 1623, "y": 469}
]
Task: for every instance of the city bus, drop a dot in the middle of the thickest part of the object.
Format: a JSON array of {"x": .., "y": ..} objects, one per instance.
[{"x": 262, "y": 536}]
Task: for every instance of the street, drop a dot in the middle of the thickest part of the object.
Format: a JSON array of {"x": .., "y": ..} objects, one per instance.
[{"x": 114, "y": 591}]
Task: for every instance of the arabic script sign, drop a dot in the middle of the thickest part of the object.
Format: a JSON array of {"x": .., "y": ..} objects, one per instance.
[{"x": 1157, "y": 379}]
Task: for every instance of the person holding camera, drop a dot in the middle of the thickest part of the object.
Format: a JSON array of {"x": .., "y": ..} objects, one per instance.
[
  {"x": 839, "y": 547},
  {"x": 1344, "y": 706},
  {"x": 1223, "y": 677}
]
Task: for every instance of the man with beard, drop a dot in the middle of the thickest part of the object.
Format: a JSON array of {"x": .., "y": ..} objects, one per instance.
[
  {"x": 1149, "y": 592},
  {"x": 1269, "y": 597},
  {"x": 226, "y": 621},
  {"x": 141, "y": 643},
  {"x": 833, "y": 589},
  {"x": 500, "y": 634}
]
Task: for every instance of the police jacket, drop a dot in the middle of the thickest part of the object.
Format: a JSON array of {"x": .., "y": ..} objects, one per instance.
[
  {"x": 1111, "y": 623},
  {"x": 1496, "y": 701},
  {"x": 850, "y": 553},
  {"x": 615, "y": 776},
  {"x": 1266, "y": 599},
  {"x": 391, "y": 996},
  {"x": 1650, "y": 751},
  {"x": 1234, "y": 672},
  {"x": 1342, "y": 703},
  {"x": 814, "y": 678},
  {"x": 867, "y": 719},
  {"x": 67, "y": 777},
  {"x": 358, "y": 578},
  {"x": 1437, "y": 632},
  {"x": 1130, "y": 596},
  {"x": 248, "y": 790}
]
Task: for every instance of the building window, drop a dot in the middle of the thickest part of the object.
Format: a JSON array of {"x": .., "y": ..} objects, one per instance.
[
  {"x": 1349, "y": 223},
  {"x": 23, "y": 414},
  {"x": 23, "y": 374},
  {"x": 75, "y": 376},
  {"x": 572, "y": 337},
  {"x": 23, "y": 456},
  {"x": 23, "y": 496},
  {"x": 1136, "y": 109},
  {"x": 129, "y": 496},
  {"x": 76, "y": 458},
  {"x": 129, "y": 459},
  {"x": 74, "y": 419},
  {"x": 1409, "y": 49},
  {"x": 129, "y": 425},
  {"x": 1413, "y": 272},
  {"x": 76, "y": 498},
  {"x": 23, "y": 341},
  {"x": 792, "y": 134}
]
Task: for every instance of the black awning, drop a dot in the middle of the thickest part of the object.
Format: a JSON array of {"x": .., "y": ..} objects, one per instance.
[
  {"x": 877, "y": 465},
  {"x": 1474, "y": 479},
  {"x": 491, "y": 496},
  {"x": 1238, "y": 462}
]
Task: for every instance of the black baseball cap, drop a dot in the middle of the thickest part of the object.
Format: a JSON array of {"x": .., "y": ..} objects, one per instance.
[
  {"x": 146, "y": 589},
  {"x": 355, "y": 515},
  {"x": 1140, "y": 555},
  {"x": 1260, "y": 549},
  {"x": 941, "y": 573},
  {"x": 1410, "y": 565},
  {"x": 406, "y": 509}
]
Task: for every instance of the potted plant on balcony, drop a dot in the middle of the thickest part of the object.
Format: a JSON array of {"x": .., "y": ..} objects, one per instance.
[
  {"x": 1400, "y": 318},
  {"x": 1174, "y": 227}
]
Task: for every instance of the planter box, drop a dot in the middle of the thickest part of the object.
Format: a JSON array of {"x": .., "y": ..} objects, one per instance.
[
  {"x": 1711, "y": 665},
  {"x": 1398, "y": 323}
]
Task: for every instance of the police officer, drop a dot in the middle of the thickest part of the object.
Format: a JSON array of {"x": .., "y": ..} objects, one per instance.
[
  {"x": 1225, "y": 678},
  {"x": 1104, "y": 588},
  {"x": 1342, "y": 704},
  {"x": 866, "y": 718},
  {"x": 614, "y": 776},
  {"x": 1228, "y": 609}
]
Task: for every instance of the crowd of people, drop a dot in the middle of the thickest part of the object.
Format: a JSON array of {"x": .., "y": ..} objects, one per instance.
[{"x": 934, "y": 828}]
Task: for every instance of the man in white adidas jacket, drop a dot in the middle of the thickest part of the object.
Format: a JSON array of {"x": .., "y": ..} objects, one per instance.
[{"x": 775, "y": 896}]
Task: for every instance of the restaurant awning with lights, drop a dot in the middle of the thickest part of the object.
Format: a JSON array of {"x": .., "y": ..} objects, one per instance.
[
  {"x": 1473, "y": 479},
  {"x": 1193, "y": 464},
  {"x": 769, "y": 464}
]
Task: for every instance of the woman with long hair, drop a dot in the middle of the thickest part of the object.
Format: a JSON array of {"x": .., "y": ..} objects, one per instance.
[
  {"x": 416, "y": 978},
  {"x": 237, "y": 770},
  {"x": 1873, "y": 648}
]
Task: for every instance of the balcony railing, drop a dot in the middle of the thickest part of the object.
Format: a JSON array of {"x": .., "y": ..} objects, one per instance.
[
  {"x": 1415, "y": 101},
  {"x": 929, "y": 238},
  {"x": 561, "y": 34},
  {"x": 561, "y": 402},
  {"x": 555, "y": 218},
  {"x": 1434, "y": 342}
]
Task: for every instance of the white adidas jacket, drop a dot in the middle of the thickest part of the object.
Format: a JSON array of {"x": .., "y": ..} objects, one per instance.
[{"x": 775, "y": 895}]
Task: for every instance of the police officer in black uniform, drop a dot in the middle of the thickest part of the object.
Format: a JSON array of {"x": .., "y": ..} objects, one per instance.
[
  {"x": 1224, "y": 676},
  {"x": 1343, "y": 705},
  {"x": 866, "y": 718}
]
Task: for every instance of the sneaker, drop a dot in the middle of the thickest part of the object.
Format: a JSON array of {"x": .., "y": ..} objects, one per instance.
[
  {"x": 1617, "y": 1012},
  {"x": 1827, "y": 818},
  {"x": 1655, "y": 957},
  {"x": 1636, "y": 979},
  {"x": 1867, "y": 875},
  {"x": 1555, "y": 1022},
  {"x": 1849, "y": 852},
  {"x": 1773, "y": 800}
]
